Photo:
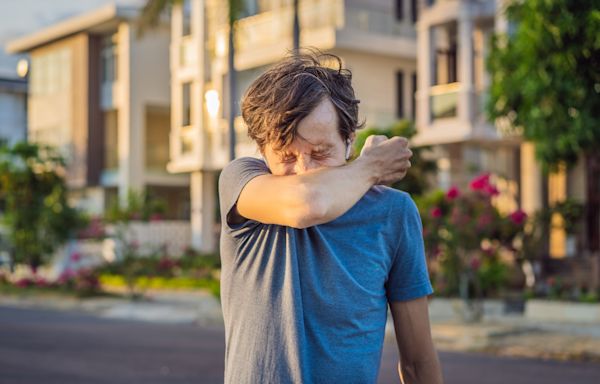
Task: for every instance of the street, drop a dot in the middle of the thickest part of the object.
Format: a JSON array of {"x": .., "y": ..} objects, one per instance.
[{"x": 54, "y": 347}]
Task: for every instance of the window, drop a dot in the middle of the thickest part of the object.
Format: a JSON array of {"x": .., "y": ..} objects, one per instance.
[
  {"x": 111, "y": 140},
  {"x": 400, "y": 94},
  {"x": 187, "y": 14},
  {"x": 414, "y": 10},
  {"x": 157, "y": 138},
  {"x": 399, "y": 9},
  {"x": 108, "y": 57},
  {"x": 186, "y": 111}
]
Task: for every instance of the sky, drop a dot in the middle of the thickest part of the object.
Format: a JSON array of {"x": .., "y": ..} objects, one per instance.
[{"x": 22, "y": 17}]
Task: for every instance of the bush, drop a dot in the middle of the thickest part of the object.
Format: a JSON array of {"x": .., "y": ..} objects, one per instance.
[{"x": 464, "y": 235}]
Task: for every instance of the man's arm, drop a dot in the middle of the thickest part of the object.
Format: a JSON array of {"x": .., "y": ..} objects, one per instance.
[
  {"x": 419, "y": 363},
  {"x": 319, "y": 196}
]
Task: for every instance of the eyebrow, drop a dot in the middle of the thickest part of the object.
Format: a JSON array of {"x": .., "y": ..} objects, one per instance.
[{"x": 318, "y": 146}]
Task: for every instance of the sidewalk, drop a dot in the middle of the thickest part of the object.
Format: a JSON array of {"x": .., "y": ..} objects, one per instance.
[{"x": 503, "y": 335}]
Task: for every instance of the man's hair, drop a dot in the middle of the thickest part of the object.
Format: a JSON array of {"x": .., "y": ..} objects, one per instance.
[{"x": 286, "y": 93}]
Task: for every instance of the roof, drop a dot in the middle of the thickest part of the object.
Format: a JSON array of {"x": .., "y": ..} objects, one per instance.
[{"x": 84, "y": 22}]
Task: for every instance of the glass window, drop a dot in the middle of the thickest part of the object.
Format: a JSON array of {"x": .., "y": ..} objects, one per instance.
[
  {"x": 157, "y": 138},
  {"x": 109, "y": 57},
  {"x": 111, "y": 140},
  {"x": 186, "y": 111}
]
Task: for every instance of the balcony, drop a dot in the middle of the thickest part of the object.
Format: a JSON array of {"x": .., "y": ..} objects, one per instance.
[
  {"x": 265, "y": 37},
  {"x": 274, "y": 28},
  {"x": 188, "y": 53},
  {"x": 443, "y": 101}
]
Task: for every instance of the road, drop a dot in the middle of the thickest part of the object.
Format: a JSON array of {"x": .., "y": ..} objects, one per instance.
[{"x": 52, "y": 347}]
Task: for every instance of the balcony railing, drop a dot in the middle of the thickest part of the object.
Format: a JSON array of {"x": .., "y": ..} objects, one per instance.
[
  {"x": 376, "y": 22},
  {"x": 272, "y": 26},
  {"x": 443, "y": 100}
]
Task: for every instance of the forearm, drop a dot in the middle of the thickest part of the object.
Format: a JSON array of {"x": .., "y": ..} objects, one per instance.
[
  {"x": 332, "y": 191},
  {"x": 421, "y": 372}
]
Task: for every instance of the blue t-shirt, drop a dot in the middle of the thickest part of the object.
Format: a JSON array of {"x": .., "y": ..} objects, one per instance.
[{"x": 310, "y": 305}]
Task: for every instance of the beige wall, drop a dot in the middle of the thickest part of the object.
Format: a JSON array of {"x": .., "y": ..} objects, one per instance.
[
  {"x": 374, "y": 81},
  {"x": 57, "y": 106}
]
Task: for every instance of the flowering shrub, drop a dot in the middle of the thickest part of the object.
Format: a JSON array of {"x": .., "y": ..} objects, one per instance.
[
  {"x": 95, "y": 229},
  {"x": 84, "y": 282},
  {"x": 464, "y": 234}
]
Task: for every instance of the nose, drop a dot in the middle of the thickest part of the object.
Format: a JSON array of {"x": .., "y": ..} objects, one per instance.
[{"x": 304, "y": 164}]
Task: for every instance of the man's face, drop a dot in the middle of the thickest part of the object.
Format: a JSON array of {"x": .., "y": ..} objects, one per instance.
[{"x": 317, "y": 144}]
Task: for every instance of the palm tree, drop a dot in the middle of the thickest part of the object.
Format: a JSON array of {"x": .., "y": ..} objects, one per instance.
[{"x": 150, "y": 17}]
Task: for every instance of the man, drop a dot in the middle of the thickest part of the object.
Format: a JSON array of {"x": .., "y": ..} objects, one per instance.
[{"x": 313, "y": 248}]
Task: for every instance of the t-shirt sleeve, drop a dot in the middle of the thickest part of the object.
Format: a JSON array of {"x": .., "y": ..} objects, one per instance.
[
  {"x": 408, "y": 278},
  {"x": 232, "y": 181}
]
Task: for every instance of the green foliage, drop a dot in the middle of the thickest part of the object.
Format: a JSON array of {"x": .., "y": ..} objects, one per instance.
[
  {"x": 157, "y": 270},
  {"x": 416, "y": 180},
  {"x": 33, "y": 192},
  {"x": 151, "y": 13},
  {"x": 139, "y": 206},
  {"x": 545, "y": 78}
]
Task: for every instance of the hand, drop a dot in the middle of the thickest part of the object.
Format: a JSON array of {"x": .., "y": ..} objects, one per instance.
[{"x": 389, "y": 159}]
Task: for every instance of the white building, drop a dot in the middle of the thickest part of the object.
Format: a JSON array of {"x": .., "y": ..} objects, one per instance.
[
  {"x": 452, "y": 89},
  {"x": 376, "y": 40},
  {"x": 102, "y": 95}
]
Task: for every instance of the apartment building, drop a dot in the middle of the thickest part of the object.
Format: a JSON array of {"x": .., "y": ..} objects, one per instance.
[
  {"x": 376, "y": 40},
  {"x": 101, "y": 95},
  {"x": 452, "y": 38}
]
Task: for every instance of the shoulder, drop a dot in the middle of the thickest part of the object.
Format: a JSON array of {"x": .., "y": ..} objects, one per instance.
[
  {"x": 243, "y": 163},
  {"x": 393, "y": 198},
  {"x": 399, "y": 205},
  {"x": 242, "y": 168}
]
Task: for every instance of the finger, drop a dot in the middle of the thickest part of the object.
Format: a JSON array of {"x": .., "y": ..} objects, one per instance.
[{"x": 403, "y": 141}]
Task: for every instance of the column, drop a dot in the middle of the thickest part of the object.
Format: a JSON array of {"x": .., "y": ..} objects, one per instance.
[
  {"x": 465, "y": 65},
  {"x": 425, "y": 57},
  {"x": 203, "y": 204},
  {"x": 130, "y": 119}
]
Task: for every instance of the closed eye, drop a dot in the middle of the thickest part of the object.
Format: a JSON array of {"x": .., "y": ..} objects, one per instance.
[{"x": 320, "y": 156}]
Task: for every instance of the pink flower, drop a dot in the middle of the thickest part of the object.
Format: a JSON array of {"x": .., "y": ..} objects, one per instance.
[
  {"x": 491, "y": 190},
  {"x": 24, "y": 282},
  {"x": 518, "y": 217},
  {"x": 484, "y": 220},
  {"x": 452, "y": 193},
  {"x": 65, "y": 276},
  {"x": 75, "y": 257},
  {"x": 475, "y": 263},
  {"x": 156, "y": 217},
  {"x": 134, "y": 244},
  {"x": 436, "y": 212},
  {"x": 480, "y": 182}
]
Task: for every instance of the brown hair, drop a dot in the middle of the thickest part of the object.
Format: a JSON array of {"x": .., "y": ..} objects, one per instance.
[{"x": 286, "y": 93}]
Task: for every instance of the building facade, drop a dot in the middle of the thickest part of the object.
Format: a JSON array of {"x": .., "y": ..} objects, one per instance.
[
  {"x": 375, "y": 39},
  {"x": 101, "y": 95},
  {"x": 453, "y": 43}
]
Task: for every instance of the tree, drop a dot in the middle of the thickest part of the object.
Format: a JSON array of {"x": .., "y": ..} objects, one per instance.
[
  {"x": 33, "y": 192},
  {"x": 545, "y": 83},
  {"x": 545, "y": 76}
]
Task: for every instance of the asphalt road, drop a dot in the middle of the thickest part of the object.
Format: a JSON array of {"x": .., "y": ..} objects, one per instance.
[{"x": 38, "y": 346}]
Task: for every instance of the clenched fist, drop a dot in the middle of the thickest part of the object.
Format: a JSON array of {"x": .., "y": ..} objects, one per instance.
[{"x": 389, "y": 159}]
